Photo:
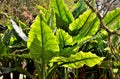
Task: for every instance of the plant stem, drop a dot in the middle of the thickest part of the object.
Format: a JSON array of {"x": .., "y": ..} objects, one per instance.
[
  {"x": 43, "y": 71},
  {"x": 76, "y": 72},
  {"x": 65, "y": 73}
]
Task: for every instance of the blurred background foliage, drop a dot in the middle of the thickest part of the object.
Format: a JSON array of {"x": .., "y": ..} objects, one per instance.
[{"x": 26, "y": 10}]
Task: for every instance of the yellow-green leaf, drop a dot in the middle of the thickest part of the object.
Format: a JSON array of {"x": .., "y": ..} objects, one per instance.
[
  {"x": 41, "y": 40},
  {"x": 65, "y": 43},
  {"x": 112, "y": 19},
  {"x": 78, "y": 60}
]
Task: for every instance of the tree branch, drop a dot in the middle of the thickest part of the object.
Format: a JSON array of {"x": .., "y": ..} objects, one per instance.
[{"x": 102, "y": 24}]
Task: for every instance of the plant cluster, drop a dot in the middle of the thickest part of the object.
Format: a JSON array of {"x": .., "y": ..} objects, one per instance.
[{"x": 63, "y": 44}]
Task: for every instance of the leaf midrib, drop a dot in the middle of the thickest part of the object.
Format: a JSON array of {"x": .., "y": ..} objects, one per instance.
[
  {"x": 84, "y": 23},
  {"x": 84, "y": 59}
]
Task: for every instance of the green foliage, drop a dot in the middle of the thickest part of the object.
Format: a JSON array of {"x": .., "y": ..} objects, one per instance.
[
  {"x": 78, "y": 60},
  {"x": 102, "y": 34},
  {"x": 112, "y": 19},
  {"x": 41, "y": 40},
  {"x": 3, "y": 48},
  {"x": 64, "y": 38},
  {"x": 63, "y": 16},
  {"x": 59, "y": 38},
  {"x": 61, "y": 47},
  {"x": 49, "y": 16},
  {"x": 66, "y": 44},
  {"x": 84, "y": 27},
  {"x": 79, "y": 9},
  {"x": 86, "y": 21}
]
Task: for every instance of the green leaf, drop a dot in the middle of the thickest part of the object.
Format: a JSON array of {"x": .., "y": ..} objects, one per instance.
[
  {"x": 112, "y": 19},
  {"x": 45, "y": 13},
  {"x": 83, "y": 40},
  {"x": 85, "y": 26},
  {"x": 80, "y": 8},
  {"x": 41, "y": 40},
  {"x": 52, "y": 19},
  {"x": 78, "y": 60},
  {"x": 89, "y": 29},
  {"x": 65, "y": 42},
  {"x": 49, "y": 16},
  {"x": 63, "y": 15},
  {"x": 3, "y": 47},
  {"x": 85, "y": 23},
  {"x": 102, "y": 35},
  {"x": 64, "y": 38}
]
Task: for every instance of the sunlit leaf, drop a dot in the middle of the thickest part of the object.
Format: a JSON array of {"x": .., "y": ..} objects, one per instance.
[
  {"x": 41, "y": 41},
  {"x": 44, "y": 12},
  {"x": 65, "y": 42},
  {"x": 85, "y": 22},
  {"x": 78, "y": 60},
  {"x": 102, "y": 34},
  {"x": 112, "y": 19},
  {"x": 64, "y": 38},
  {"x": 85, "y": 26}
]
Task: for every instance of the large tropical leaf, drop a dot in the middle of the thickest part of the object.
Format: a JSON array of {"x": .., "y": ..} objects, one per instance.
[
  {"x": 78, "y": 60},
  {"x": 41, "y": 41},
  {"x": 85, "y": 26},
  {"x": 63, "y": 15},
  {"x": 66, "y": 44},
  {"x": 112, "y": 19},
  {"x": 82, "y": 21}
]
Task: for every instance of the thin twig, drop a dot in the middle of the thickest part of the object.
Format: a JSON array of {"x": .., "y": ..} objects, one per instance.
[
  {"x": 108, "y": 8},
  {"x": 20, "y": 50}
]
